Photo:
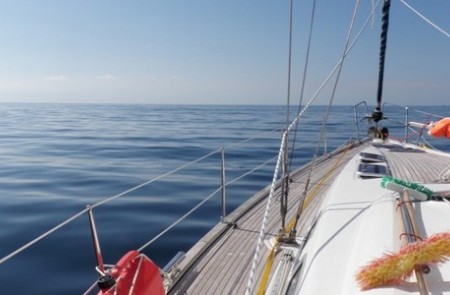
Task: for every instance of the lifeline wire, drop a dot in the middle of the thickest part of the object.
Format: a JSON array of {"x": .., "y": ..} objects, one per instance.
[
  {"x": 152, "y": 180},
  {"x": 72, "y": 218},
  {"x": 179, "y": 220},
  {"x": 29, "y": 244}
]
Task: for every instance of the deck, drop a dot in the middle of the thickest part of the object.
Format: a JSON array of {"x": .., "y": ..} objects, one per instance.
[{"x": 220, "y": 262}]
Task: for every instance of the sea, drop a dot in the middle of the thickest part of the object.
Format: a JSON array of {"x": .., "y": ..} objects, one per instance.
[{"x": 56, "y": 159}]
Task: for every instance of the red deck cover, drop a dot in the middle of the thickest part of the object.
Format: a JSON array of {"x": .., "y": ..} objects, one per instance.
[{"x": 131, "y": 265}]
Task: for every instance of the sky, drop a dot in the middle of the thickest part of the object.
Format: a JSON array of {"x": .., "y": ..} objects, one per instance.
[{"x": 215, "y": 52}]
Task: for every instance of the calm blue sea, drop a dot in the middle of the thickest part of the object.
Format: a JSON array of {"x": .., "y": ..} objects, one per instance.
[{"x": 58, "y": 158}]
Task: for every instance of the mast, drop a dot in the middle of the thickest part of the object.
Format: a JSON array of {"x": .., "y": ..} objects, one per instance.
[{"x": 377, "y": 114}]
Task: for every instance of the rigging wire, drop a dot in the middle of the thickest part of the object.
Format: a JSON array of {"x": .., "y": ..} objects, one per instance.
[
  {"x": 426, "y": 19},
  {"x": 285, "y": 169},
  {"x": 373, "y": 8},
  {"x": 256, "y": 256},
  {"x": 322, "y": 137},
  {"x": 327, "y": 79},
  {"x": 335, "y": 68},
  {"x": 291, "y": 6},
  {"x": 302, "y": 90},
  {"x": 338, "y": 75}
]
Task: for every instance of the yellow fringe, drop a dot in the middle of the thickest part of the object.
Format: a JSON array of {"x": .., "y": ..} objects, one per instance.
[{"x": 392, "y": 269}]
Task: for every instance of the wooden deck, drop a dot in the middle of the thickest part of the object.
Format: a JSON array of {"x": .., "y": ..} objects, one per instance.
[
  {"x": 414, "y": 165},
  {"x": 220, "y": 262}
]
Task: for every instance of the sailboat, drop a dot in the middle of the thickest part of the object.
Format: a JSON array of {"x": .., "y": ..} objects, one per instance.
[{"x": 371, "y": 217}]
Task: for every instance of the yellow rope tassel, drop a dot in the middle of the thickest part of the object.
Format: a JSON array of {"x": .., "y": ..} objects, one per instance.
[{"x": 392, "y": 269}]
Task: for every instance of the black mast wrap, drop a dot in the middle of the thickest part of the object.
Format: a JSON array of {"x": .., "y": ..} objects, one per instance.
[{"x": 377, "y": 113}]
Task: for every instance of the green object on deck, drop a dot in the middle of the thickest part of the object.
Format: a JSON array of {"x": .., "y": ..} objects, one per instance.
[{"x": 416, "y": 190}]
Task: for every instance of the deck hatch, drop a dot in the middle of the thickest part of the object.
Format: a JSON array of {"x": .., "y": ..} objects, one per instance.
[
  {"x": 370, "y": 157},
  {"x": 372, "y": 170}
]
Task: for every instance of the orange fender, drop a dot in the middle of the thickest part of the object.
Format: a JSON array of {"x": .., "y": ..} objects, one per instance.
[{"x": 441, "y": 128}]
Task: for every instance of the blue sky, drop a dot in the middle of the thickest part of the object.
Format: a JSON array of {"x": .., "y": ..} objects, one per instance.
[{"x": 212, "y": 51}]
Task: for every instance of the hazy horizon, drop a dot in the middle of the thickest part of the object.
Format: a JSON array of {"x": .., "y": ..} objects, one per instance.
[{"x": 215, "y": 52}]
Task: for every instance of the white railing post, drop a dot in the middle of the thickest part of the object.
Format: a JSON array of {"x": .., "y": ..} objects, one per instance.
[
  {"x": 406, "y": 124},
  {"x": 223, "y": 182}
]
